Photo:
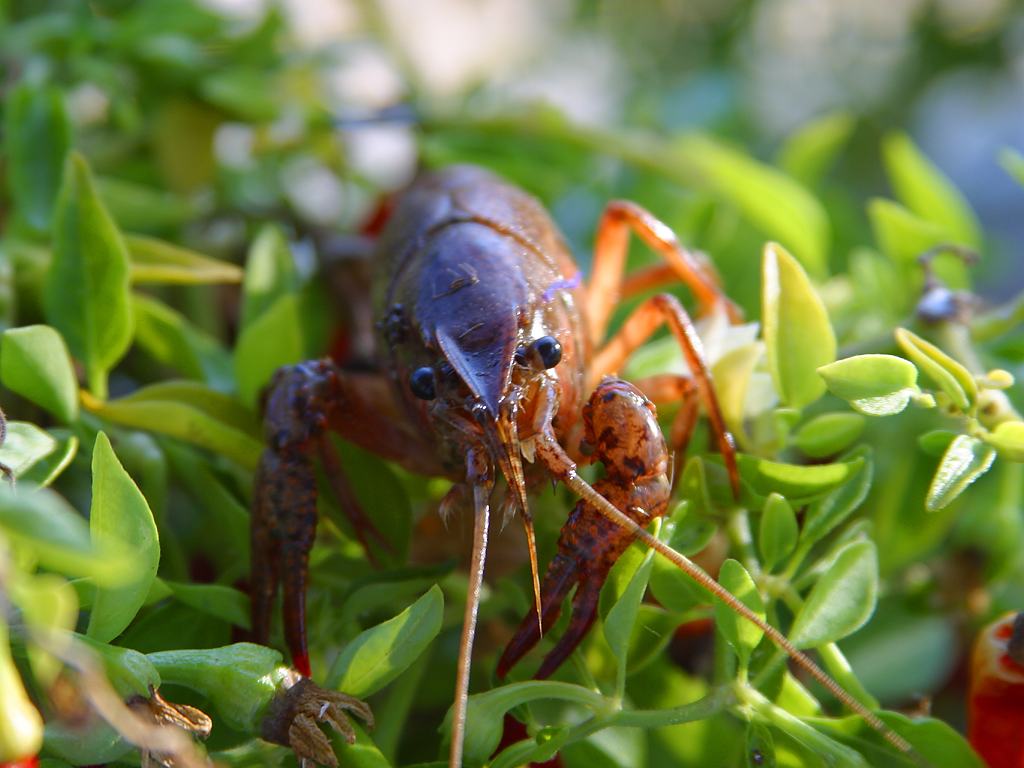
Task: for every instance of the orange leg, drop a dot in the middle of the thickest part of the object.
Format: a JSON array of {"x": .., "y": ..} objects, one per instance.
[
  {"x": 606, "y": 283},
  {"x": 665, "y": 308}
]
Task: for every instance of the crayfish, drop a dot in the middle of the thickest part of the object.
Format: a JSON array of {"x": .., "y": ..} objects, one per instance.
[{"x": 488, "y": 344}]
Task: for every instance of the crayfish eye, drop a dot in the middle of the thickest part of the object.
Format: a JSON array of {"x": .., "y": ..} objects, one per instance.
[
  {"x": 421, "y": 382},
  {"x": 547, "y": 351}
]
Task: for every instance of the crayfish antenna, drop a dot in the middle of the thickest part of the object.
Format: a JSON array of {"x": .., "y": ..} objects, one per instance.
[
  {"x": 531, "y": 544},
  {"x": 481, "y": 519}
]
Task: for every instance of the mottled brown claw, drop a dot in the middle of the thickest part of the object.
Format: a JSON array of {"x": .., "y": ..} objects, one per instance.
[
  {"x": 294, "y": 718},
  {"x": 159, "y": 711}
]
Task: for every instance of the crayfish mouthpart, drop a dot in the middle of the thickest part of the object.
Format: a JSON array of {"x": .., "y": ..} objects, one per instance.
[{"x": 295, "y": 714}]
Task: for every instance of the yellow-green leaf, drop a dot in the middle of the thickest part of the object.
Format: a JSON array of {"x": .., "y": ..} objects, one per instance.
[
  {"x": 34, "y": 362},
  {"x": 965, "y": 460},
  {"x": 955, "y": 380},
  {"x": 797, "y": 332},
  {"x": 740, "y": 633},
  {"x": 157, "y": 261},
  {"x": 875, "y": 385},
  {"x": 1008, "y": 439},
  {"x": 842, "y": 599}
]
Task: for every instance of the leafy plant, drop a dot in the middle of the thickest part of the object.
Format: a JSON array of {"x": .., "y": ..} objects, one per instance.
[{"x": 149, "y": 288}]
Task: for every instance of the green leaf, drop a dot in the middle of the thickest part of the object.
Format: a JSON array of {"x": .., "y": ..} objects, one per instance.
[
  {"x": 45, "y": 525},
  {"x": 842, "y": 600},
  {"x": 824, "y": 514},
  {"x": 937, "y": 743},
  {"x": 1013, "y": 163},
  {"x": 732, "y": 373},
  {"x": 794, "y": 481},
  {"x": 486, "y": 711},
  {"x": 129, "y": 672},
  {"x": 619, "y": 578},
  {"x": 779, "y": 531},
  {"x": 1008, "y": 439},
  {"x": 86, "y": 294},
  {"x": 362, "y": 753},
  {"x": 926, "y": 191},
  {"x": 760, "y": 749},
  {"x": 141, "y": 208},
  {"x": 903, "y": 237},
  {"x": 157, "y": 261},
  {"x": 274, "y": 339},
  {"x": 24, "y": 445},
  {"x": 772, "y": 201},
  {"x": 875, "y": 385},
  {"x": 169, "y": 337},
  {"x": 955, "y": 380},
  {"x": 34, "y": 362},
  {"x": 37, "y": 138},
  {"x": 742, "y": 635},
  {"x": 935, "y": 442},
  {"x": 381, "y": 653},
  {"x": 190, "y": 412},
  {"x": 828, "y": 434},
  {"x": 43, "y": 472},
  {"x": 120, "y": 513},
  {"x": 217, "y": 600},
  {"x": 812, "y": 148},
  {"x": 48, "y": 603},
  {"x": 797, "y": 332},
  {"x": 618, "y": 625},
  {"x": 269, "y": 274},
  {"x": 965, "y": 460}
]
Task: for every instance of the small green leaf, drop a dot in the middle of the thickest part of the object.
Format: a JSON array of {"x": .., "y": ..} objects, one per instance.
[
  {"x": 86, "y": 295},
  {"x": 157, "y": 261},
  {"x": 797, "y": 332},
  {"x": 34, "y": 362},
  {"x": 217, "y": 600},
  {"x": 875, "y": 385},
  {"x": 760, "y": 751},
  {"x": 1008, "y": 439},
  {"x": 171, "y": 339},
  {"x": 965, "y": 460},
  {"x": 362, "y": 753},
  {"x": 742, "y": 635},
  {"x": 486, "y": 711},
  {"x": 381, "y": 653},
  {"x": 43, "y": 472},
  {"x": 58, "y": 536},
  {"x": 812, "y": 148},
  {"x": 794, "y": 481},
  {"x": 619, "y": 578},
  {"x": 772, "y": 201},
  {"x": 139, "y": 208},
  {"x": 274, "y": 339},
  {"x": 926, "y": 191},
  {"x": 618, "y": 624},
  {"x": 955, "y": 380},
  {"x": 732, "y": 373},
  {"x": 693, "y": 487},
  {"x": 128, "y": 671},
  {"x": 269, "y": 274},
  {"x": 190, "y": 412},
  {"x": 828, "y": 434},
  {"x": 120, "y": 513},
  {"x": 842, "y": 600},
  {"x": 1013, "y": 163},
  {"x": 935, "y": 442},
  {"x": 24, "y": 446},
  {"x": 778, "y": 532},
  {"x": 37, "y": 138},
  {"x": 904, "y": 236},
  {"x": 824, "y": 514}
]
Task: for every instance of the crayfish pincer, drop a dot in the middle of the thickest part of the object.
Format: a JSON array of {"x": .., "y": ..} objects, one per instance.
[{"x": 488, "y": 342}]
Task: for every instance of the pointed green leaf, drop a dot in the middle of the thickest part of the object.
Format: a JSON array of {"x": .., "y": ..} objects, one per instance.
[
  {"x": 216, "y": 600},
  {"x": 935, "y": 442},
  {"x": 794, "y": 481},
  {"x": 157, "y": 261},
  {"x": 778, "y": 532},
  {"x": 45, "y": 525},
  {"x": 139, "y": 208},
  {"x": 955, "y": 380},
  {"x": 903, "y": 236},
  {"x": 86, "y": 294},
  {"x": 43, "y": 472},
  {"x": 120, "y": 513},
  {"x": 875, "y": 385},
  {"x": 732, "y": 373},
  {"x": 780, "y": 207},
  {"x": 842, "y": 600},
  {"x": 797, "y": 332},
  {"x": 171, "y": 339},
  {"x": 37, "y": 136},
  {"x": 813, "y": 147},
  {"x": 926, "y": 191},
  {"x": 273, "y": 339},
  {"x": 618, "y": 624},
  {"x": 965, "y": 460},
  {"x": 24, "y": 445},
  {"x": 34, "y": 362},
  {"x": 760, "y": 749},
  {"x": 828, "y": 434},
  {"x": 381, "y": 653},
  {"x": 742, "y": 635},
  {"x": 1008, "y": 439},
  {"x": 269, "y": 274},
  {"x": 824, "y": 514}
]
